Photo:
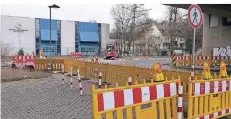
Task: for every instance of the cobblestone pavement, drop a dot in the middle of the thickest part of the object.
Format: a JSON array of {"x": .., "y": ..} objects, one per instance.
[{"x": 43, "y": 99}]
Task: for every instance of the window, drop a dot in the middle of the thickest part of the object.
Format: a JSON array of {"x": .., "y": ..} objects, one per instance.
[
  {"x": 226, "y": 21},
  {"x": 82, "y": 49},
  {"x": 213, "y": 21}
]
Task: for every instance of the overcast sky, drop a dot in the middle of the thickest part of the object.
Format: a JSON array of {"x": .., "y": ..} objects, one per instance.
[{"x": 75, "y": 12}]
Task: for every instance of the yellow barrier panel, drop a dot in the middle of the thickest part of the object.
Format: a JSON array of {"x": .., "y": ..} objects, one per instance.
[
  {"x": 56, "y": 65},
  {"x": 41, "y": 64},
  {"x": 148, "y": 101},
  {"x": 209, "y": 98},
  {"x": 199, "y": 60}
]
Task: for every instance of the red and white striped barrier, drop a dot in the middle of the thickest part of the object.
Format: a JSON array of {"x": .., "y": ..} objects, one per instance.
[
  {"x": 215, "y": 114},
  {"x": 80, "y": 82},
  {"x": 124, "y": 97},
  {"x": 180, "y": 103},
  {"x": 100, "y": 80},
  {"x": 215, "y": 60},
  {"x": 76, "y": 54},
  {"x": 129, "y": 81},
  {"x": 211, "y": 87},
  {"x": 24, "y": 60},
  {"x": 71, "y": 81},
  {"x": 62, "y": 73}
]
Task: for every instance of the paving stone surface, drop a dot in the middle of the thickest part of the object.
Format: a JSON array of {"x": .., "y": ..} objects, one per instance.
[{"x": 43, "y": 98}]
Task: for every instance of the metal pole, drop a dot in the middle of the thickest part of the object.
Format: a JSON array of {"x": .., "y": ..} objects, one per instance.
[
  {"x": 193, "y": 52},
  {"x": 50, "y": 39}
]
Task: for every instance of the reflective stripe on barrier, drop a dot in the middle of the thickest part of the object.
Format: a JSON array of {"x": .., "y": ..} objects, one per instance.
[
  {"x": 211, "y": 87},
  {"x": 215, "y": 114},
  {"x": 174, "y": 60},
  {"x": 180, "y": 103}
]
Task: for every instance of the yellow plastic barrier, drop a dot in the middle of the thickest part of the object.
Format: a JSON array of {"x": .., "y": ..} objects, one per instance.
[
  {"x": 199, "y": 60},
  {"x": 56, "y": 65},
  {"x": 209, "y": 98},
  {"x": 111, "y": 73},
  {"x": 41, "y": 64},
  {"x": 147, "y": 100}
]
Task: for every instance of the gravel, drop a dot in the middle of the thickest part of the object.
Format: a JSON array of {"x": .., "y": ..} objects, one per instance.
[{"x": 43, "y": 98}]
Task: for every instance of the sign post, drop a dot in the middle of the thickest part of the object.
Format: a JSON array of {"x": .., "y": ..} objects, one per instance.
[{"x": 195, "y": 18}]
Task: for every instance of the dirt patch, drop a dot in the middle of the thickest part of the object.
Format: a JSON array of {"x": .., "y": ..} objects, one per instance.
[{"x": 7, "y": 74}]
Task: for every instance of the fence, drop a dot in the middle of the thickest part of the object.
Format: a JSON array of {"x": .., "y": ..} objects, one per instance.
[
  {"x": 209, "y": 98},
  {"x": 147, "y": 100},
  {"x": 187, "y": 60},
  {"x": 111, "y": 73},
  {"x": 42, "y": 64}
]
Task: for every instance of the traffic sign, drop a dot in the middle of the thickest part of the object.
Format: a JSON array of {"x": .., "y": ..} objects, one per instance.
[{"x": 195, "y": 16}]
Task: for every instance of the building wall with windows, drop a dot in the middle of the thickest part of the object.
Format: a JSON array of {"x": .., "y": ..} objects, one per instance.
[
  {"x": 10, "y": 25},
  {"x": 67, "y": 37},
  {"x": 44, "y": 36},
  {"x": 88, "y": 38}
]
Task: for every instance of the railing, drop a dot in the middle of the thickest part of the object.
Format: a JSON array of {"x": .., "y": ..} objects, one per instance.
[{"x": 212, "y": 61}]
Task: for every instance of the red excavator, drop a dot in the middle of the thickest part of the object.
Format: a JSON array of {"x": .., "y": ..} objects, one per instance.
[{"x": 111, "y": 54}]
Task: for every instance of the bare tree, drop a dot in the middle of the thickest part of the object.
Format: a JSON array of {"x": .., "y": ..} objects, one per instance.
[
  {"x": 129, "y": 21},
  {"x": 122, "y": 17},
  {"x": 175, "y": 25},
  {"x": 5, "y": 49}
]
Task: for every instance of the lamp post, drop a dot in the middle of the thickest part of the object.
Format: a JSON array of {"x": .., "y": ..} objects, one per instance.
[{"x": 51, "y": 6}]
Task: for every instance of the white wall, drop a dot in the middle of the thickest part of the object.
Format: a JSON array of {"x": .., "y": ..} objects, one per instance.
[
  {"x": 67, "y": 37},
  {"x": 27, "y": 38},
  {"x": 104, "y": 36}
]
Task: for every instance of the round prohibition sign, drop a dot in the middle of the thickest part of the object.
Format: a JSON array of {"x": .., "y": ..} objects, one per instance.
[{"x": 195, "y": 16}]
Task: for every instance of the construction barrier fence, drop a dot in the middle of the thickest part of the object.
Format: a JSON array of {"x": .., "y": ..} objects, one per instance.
[
  {"x": 145, "y": 99},
  {"x": 199, "y": 60},
  {"x": 141, "y": 101},
  {"x": 209, "y": 99}
]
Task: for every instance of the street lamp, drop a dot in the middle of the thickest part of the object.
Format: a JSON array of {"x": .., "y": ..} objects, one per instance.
[{"x": 51, "y": 6}]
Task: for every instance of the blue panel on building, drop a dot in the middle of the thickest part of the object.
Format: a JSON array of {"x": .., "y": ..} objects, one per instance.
[
  {"x": 89, "y": 48},
  {"x": 44, "y": 30},
  {"x": 45, "y": 35},
  {"x": 45, "y": 46},
  {"x": 89, "y": 36},
  {"x": 87, "y": 27},
  {"x": 45, "y": 24}
]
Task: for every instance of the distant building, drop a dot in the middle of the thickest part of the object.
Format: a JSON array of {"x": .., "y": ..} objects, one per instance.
[
  {"x": 158, "y": 42},
  {"x": 33, "y": 34}
]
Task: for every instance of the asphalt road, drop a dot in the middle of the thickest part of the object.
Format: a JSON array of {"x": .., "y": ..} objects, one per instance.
[{"x": 166, "y": 62}]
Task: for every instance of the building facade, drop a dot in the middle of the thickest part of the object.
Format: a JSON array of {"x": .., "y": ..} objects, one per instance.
[
  {"x": 18, "y": 32},
  {"x": 66, "y": 36},
  {"x": 157, "y": 42}
]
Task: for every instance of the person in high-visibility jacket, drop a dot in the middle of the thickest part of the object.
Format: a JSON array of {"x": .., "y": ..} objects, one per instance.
[
  {"x": 223, "y": 71},
  {"x": 206, "y": 71},
  {"x": 157, "y": 73}
]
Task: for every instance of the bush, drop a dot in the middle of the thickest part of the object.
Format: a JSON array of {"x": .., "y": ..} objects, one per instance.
[{"x": 21, "y": 52}]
